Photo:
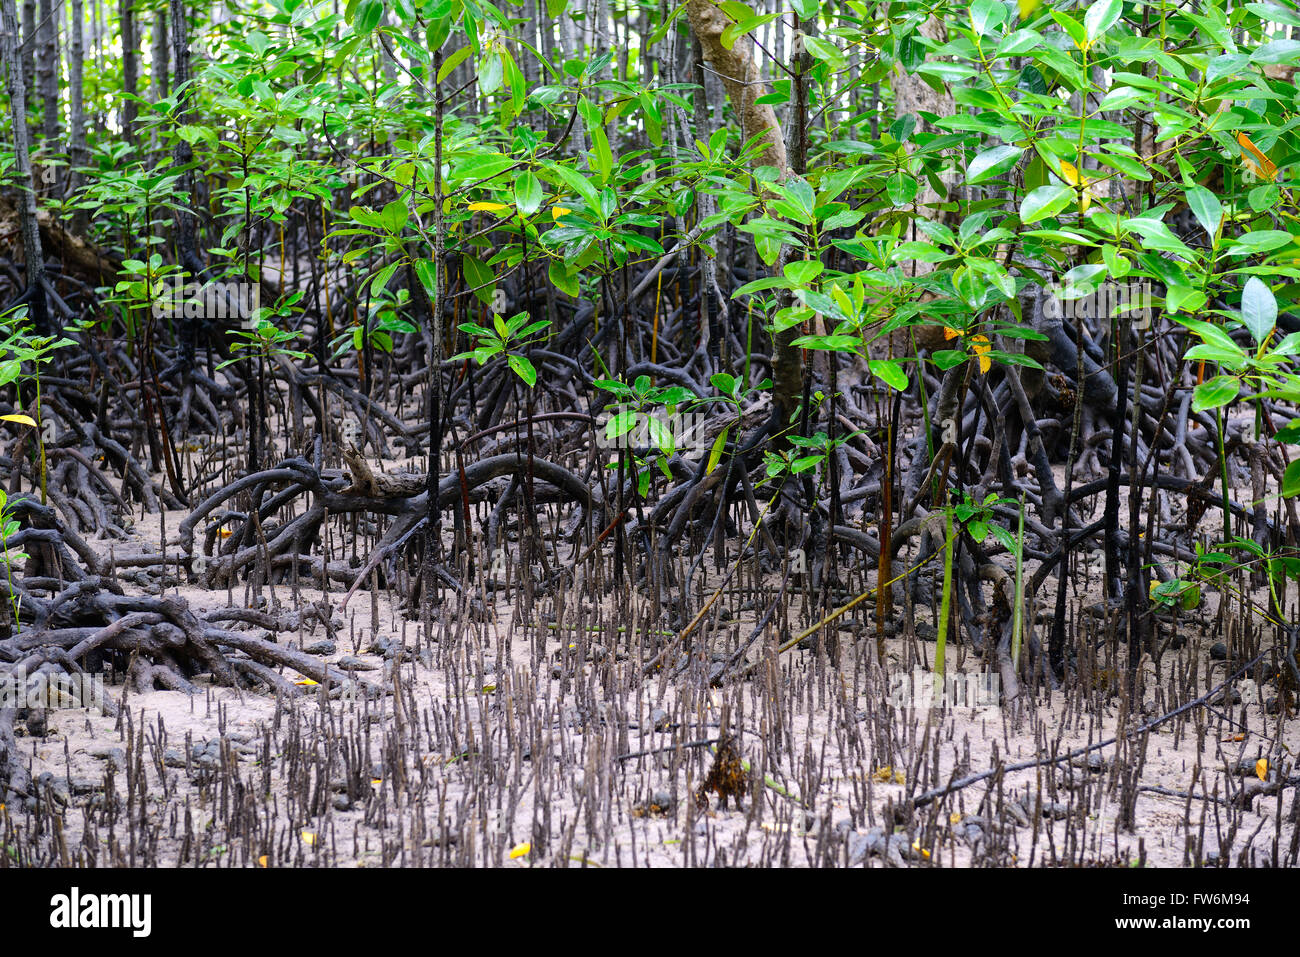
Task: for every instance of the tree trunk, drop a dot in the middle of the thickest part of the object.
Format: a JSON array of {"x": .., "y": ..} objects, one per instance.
[
  {"x": 743, "y": 83},
  {"x": 16, "y": 87},
  {"x": 78, "y": 155},
  {"x": 47, "y": 35},
  {"x": 130, "y": 69},
  {"x": 160, "y": 55}
]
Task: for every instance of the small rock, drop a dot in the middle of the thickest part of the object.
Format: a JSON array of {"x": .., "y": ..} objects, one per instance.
[
  {"x": 1219, "y": 651},
  {"x": 37, "y": 725},
  {"x": 174, "y": 758},
  {"x": 662, "y": 802},
  {"x": 1094, "y": 761},
  {"x": 353, "y": 663},
  {"x": 660, "y": 719},
  {"x": 971, "y": 831},
  {"x": 1017, "y": 810},
  {"x": 84, "y": 785},
  {"x": 342, "y": 802},
  {"x": 875, "y": 843},
  {"x": 1056, "y": 810},
  {"x": 115, "y": 757},
  {"x": 322, "y": 647}
]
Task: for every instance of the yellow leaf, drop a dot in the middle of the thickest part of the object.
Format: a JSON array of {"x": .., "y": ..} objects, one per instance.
[
  {"x": 261, "y": 861},
  {"x": 1261, "y": 769},
  {"x": 950, "y": 333},
  {"x": 916, "y": 846},
  {"x": 1027, "y": 8},
  {"x": 520, "y": 850},
  {"x": 1070, "y": 173},
  {"x": 980, "y": 344},
  {"x": 309, "y": 838},
  {"x": 488, "y": 207},
  {"x": 558, "y": 211},
  {"x": 20, "y": 419},
  {"x": 306, "y": 682},
  {"x": 1253, "y": 159},
  {"x": 954, "y": 818}
]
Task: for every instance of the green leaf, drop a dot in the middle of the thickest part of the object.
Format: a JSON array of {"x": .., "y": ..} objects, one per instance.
[
  {"x": 724, "y": 382},
  {"x": 889, "y": 372},
  {"x": 1207, "y": 209},
  {"x": 1215, "y": 392},
  {"x": 992, "y": 163},
  {"x": 579, "y": 184},
  {"x": 1291, "y": 479},
  {"x": 368, "y": 18},
  {"x": 1289, "y": 433},
  {"x": 902, "y": 188},
  {"x": 561, "y": 279},
  {"x": 523, "y": 368},
  {"x": 825, "y": 51},
  {"x": 480, "y": 278},
  {"x": 1258, "y": 309},
  {"x": 1045, "y": 201},
  {"x": 715, "y": 453},
  {"x": 986, "y": 15},
  {"x": 803, "y": 271},
  {"x": 528, "y": 193},
  {"x": 620, "y": 424},
  {"x": 1101, "y": 17},
  {"x": 427, "y": 272}
]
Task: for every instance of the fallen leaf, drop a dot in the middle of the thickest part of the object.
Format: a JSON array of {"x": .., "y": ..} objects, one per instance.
[
  {"x": 1261, "y": 769},
  {"x": 306, "y": 681},
  {"x": 20, "y": 419},
  {"x": 261, "y": 861},
  {"x": 520, "y": 850},
  {"x": 309, "y": 838}
]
